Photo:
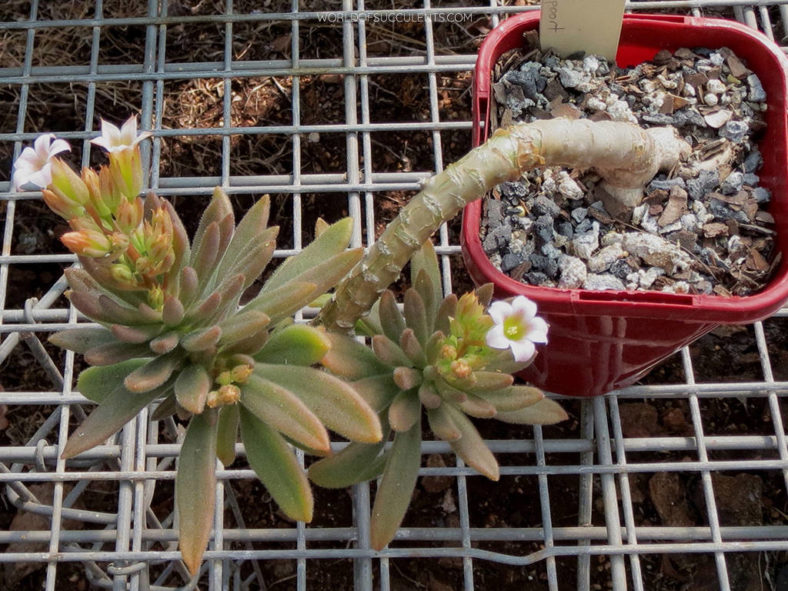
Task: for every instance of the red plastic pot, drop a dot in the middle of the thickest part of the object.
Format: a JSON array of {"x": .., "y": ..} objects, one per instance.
[{"x": 603, "y": 340}]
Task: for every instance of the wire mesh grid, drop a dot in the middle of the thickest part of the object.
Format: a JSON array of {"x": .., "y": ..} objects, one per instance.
[{"x": 573, "y": 514}]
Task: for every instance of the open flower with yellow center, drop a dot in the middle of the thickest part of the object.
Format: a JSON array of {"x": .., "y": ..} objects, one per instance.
[
  {"x": 517, "y": 327},
  {"x": 34, "y": 165},
  {"x": 122, "y": 146}
]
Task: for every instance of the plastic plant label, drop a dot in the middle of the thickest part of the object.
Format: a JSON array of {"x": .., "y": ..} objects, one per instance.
[{"x": 591, "y": 26}]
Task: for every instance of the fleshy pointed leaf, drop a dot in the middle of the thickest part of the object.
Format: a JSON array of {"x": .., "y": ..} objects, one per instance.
[
  {"x": 242, "y": 326},
  {"x": 153, "y": 374},
  {"x": 195, "y": 489},
  {"x": 391, "y": 319},
  {"x": 180, "y": 243},
  {"x": 358, "y": 462},
  {"x": 504, "y": 362},
  {"x": 120, "y": 313},
  {"x": 377, "y": 391},
  {"x": 282, "y": 302},
  {"x": 135, "y": 334},
  {"x": 412, "y": 348},
  {"x": 81, "y": 339},
  {"x": 446, "y": 311},
  {"x": 166, "y": 408},
  {"x": 334, "y": 402},
  {"x": 189, "y": 284},
  {"x": 512, "y": 398},
  {"x": 416, "y": 315},
  {"x": 96, "y": 383},
  {"x": 404, "y": 411},
  {"x": 205, "y": 256},
  {"x": 276, "y": 466},
  {"x": 117, "y": 409},
  {"x": 396, "y": 486},
  {"x": 352, "y": 360},
  {"x": 165, "y": 343},
  {"x": 202, "y": 339},
  {"x": 256, "y": 259},
  {"x": 425, "y": 261},
  {"x": 115, "y": 353},
  {"x": 247, "y": 234},
  {"x": 490, "y": 380},
  {"x": 407, "y": 378},
  {"x": 227, "y": 433},
  {"x": 329, "y": 271},
  {"x": 279, "y": 408},
  {"x": 331, "y": 242},
  {"x": 389, "y": 352},
  {"x": 544, "y": 412},
  {"x": 217, "y": 210},
  {"x": 429, "y": 396},
  {"x": 442, "y": 424},
  {"x": 471, "y": 447},
  {"x": 173, "y": 311},
  {"x": 191, "y": 388},
  {"x": 230, "y": 291},
  {"x": 477, "y": 407},
  {"x": 485, "y": 294},
  {"x": 297, "y": 344}
]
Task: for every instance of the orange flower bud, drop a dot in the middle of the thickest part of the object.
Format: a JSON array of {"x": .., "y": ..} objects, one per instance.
[{"x": 89, "y": 243}]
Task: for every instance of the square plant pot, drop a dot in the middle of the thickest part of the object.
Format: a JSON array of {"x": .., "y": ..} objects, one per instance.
[{"x": 604, "y": 340}]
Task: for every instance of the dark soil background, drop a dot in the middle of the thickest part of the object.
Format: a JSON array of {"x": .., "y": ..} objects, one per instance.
[{"x": 725, "y": 355}]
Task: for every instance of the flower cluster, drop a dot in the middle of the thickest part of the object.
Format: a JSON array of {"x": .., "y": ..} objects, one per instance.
[{"x": 169, "y": 327}]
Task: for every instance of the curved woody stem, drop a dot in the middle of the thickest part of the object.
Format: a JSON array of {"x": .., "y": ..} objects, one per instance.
[{"x": 625, "y": 155}]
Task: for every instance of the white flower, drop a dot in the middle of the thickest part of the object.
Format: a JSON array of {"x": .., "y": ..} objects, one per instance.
[
  {"x": 34, "y": 165},
  {"x": 517, "y": 327},
  {"x": 113, "y": 139}
]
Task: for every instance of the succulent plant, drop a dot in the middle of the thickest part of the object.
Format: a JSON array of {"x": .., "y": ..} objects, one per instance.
[
  {"x": 170, "y": 327},
  {"x": 433, "y": 356}
]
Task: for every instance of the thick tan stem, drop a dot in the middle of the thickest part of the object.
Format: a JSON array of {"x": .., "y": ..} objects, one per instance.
[{"x": 626, "y": 156}]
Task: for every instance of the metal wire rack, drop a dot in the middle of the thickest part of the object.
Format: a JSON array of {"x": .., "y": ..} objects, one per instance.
[{"x": 126, "y": 539}]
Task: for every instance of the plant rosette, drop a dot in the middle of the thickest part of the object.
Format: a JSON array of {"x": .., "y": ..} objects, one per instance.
[
  {"x": 185, "y": 324},
  {"x": 601, "y": 340}
]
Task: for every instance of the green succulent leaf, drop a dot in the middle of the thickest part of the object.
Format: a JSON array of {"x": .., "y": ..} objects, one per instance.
[
  {"x": 485, "y": 381},
  {"x": 334, "y": 402},
  {"x": 391, "y": 319},
  {"x": 173, "y": 311},
  {"x": 389, "y": 352},
  {"x": 96, "y": 383},
  {"x": 412, "y": 348},
  {"x": 442, "y": 424},
  {"x": 189, "y": 285},
  {"x": 153, "y": 374},
  {"x": 115, "y": 353},
  {"x": 446, "y": 311},
  {"x": 135, "y": 334},
  {"x": 279, "y": 408},
  {"x": 284, "y": 301},
  {"x": 218, "y": 209},
  {"x": 407, "y": 378},
  {"x": 249, "y": 232},
  {"x": 485, "y": 294},
  {"x": 503, "y": 362},
  {"x": 512, "y": 398},
  {"x": 404, "y": 411},
  {"x": 227, "y": 433},
  {"x": 180, "y": 243},
  {"x": 477, "y": 407},
  {"x": 256, "y": 259},
  {"x": 429, "y": 396},
  {"x": 331, "y": 242},
  {"x": 416, "y": 315},
  {"x": 425, "y": 262},
  {"x": 471, "y": 447},
  {"x": 544, "y": 412},
  {"x": 377, "y": 391},
  {"x": 206, "y": 254},
  {"x": 351, "y": 359},
  {"x": 165, "y": 343},
  {"x": 297, "y": 344},
  {"x": 357, "y": 462},
  {"x": 166, "y": 408},
  {"x": 191, "y": 388},
  {"x": 276, "y": 466},
  {"x": 396, "y": 486},
  {"x": 117, "y": 409},
  {"x": 120, "y": 313},
  {"x": 242, "y": 326},
  {"x": 202, "y": 339},
  {"x": 195, "y": 489},
  {"x": 81, "y": 339}
]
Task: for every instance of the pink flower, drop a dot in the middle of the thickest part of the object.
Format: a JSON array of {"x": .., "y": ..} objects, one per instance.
[
  {"x": 517, "y": 327},
  {"x": 34, "y": 165},
  {"x": 113, "y": 139}
]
